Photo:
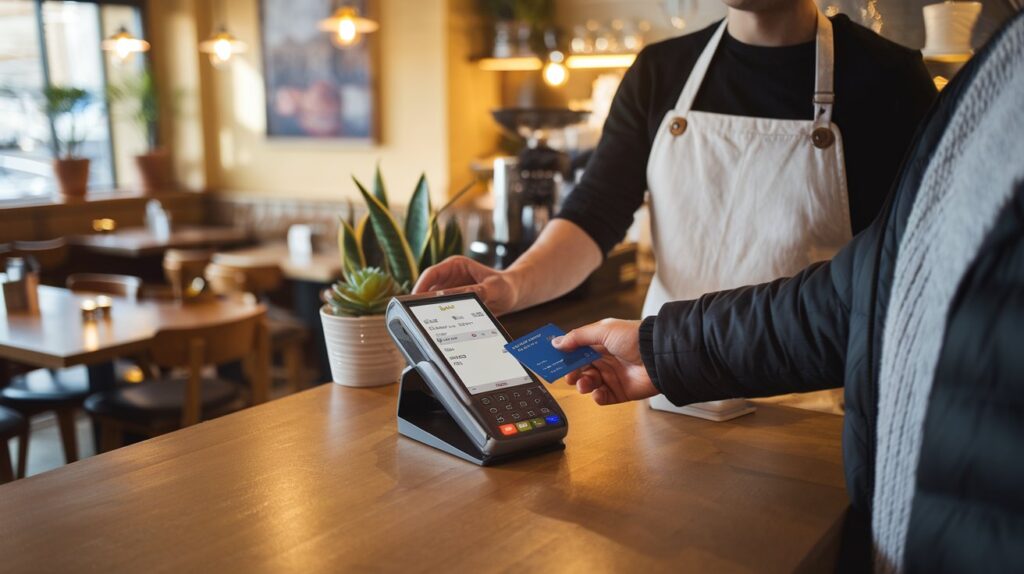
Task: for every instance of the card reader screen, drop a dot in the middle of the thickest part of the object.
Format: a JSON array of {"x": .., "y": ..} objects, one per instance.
[{"x": 472, "y": 344}]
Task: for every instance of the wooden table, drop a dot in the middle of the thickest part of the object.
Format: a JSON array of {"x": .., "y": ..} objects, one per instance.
[
  {"x": 321, "y": 482},
  {"x": 321, "y": 267},
  {"x": 139, "y": 242},
  {"x": 58, "y": 336}
]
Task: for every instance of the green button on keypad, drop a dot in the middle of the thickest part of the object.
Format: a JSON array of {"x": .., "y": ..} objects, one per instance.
[{"x": 537, "y": 423}]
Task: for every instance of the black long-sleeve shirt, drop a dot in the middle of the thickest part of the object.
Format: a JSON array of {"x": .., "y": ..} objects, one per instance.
[{"x": 882, "y": 92}]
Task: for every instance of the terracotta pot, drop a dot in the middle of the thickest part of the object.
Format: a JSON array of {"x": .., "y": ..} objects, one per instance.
[
  {"x": 154, "y": 170},
  {"x": 360, "y": 350},
  {"x": 72, "y": 176}
]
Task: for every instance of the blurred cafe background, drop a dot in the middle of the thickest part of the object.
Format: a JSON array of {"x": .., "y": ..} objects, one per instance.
[{"x": 179, "y": 179}]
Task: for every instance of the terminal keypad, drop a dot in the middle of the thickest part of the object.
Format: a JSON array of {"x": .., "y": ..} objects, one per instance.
[{"x": 519, "y": 411}]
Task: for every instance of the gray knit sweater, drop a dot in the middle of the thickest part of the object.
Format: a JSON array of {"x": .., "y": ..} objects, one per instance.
[{"x": 968, "y": 180}]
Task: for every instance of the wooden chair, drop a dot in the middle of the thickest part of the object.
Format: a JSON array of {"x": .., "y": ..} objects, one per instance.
[
  {"x": 12, "y": 425},
  {"x": 182, "y": 267},
  {"x": 288, "y": 335},
  {"x": 126, "y": 286},
  {"x": 63, "y": 391},
  {"x": 156, "y": 407},
  {"x": 50, "y": 254}
]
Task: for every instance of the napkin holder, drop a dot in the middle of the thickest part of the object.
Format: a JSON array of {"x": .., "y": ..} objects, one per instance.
[{"x": 20, "y": 297}]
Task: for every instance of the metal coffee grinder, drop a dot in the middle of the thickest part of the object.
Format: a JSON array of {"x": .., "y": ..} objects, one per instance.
[{"x": 528, "y": 187}]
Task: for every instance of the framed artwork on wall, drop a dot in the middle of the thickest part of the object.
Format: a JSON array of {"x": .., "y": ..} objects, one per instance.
[{"x": 314, "y": 88}]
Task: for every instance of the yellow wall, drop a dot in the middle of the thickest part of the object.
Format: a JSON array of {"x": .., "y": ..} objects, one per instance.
[
  {"x": 175, "y": 63},
  {"x": 430, "y": 113},
  {"x": 472, "y": 94}
]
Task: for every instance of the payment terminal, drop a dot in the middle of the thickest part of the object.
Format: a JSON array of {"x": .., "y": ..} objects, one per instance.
[{"x": 462, "y": 392}]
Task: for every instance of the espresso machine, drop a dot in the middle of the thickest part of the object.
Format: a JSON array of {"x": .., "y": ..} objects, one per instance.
[{"x": 528, "y": 187}]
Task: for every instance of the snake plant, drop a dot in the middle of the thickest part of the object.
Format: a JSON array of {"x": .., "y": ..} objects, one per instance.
[{"x": 379, "y": 246}]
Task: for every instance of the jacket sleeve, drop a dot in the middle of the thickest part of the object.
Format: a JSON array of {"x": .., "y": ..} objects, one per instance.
[{"x": 786, "y": 336}]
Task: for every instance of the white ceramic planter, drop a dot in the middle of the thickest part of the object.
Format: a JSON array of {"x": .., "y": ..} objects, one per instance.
[{"x": 360, "y": 350}]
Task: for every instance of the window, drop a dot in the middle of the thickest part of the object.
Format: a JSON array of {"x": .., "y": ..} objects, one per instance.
[{"x": 57, "y": 43}]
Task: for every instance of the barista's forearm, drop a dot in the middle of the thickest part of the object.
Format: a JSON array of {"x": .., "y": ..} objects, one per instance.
[{"x": 561, "y": 258}]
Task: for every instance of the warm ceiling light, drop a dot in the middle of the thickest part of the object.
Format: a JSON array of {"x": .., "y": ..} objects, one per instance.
[
  {"x": 221, "y": 47},
  {"x": 555, "y": 74},
  {"x": 347, "y": 27},
  {"x": 123, "y": 45}
]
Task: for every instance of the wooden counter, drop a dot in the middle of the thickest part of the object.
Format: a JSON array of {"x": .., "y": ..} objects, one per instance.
[{"x": 321, "y": 482}]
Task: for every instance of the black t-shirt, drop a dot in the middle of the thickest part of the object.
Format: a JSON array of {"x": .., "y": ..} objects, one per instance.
[{"x": 882, "y": 92}]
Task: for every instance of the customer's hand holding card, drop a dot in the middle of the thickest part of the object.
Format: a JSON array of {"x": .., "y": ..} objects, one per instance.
[
  {"x": 536, "y": 353},
  {"x": 619, "y": 375}
]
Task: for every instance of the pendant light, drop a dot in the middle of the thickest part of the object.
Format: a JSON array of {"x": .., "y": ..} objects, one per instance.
[
  {"x": 347, "y": 27},
  {"x": 222, "y": 45},
  {"x": 123, "y": 45}
]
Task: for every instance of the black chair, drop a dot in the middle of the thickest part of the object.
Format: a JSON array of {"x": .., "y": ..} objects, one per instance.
[
  {"x": 63, "y": 391},
  {"x": 12, "y": 425}
]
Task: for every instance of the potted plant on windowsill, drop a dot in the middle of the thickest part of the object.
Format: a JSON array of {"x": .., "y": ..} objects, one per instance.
[
  {"x": 137, "y": 97},
  {"x": 381, "y": 258},
  {"x": 63, "y": 105}
]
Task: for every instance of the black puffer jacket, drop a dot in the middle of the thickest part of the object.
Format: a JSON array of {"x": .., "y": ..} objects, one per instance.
[{"x": 823, "y": 328}]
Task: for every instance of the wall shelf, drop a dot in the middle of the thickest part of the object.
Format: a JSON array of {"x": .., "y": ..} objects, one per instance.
[{"x": 573, "y": 62}]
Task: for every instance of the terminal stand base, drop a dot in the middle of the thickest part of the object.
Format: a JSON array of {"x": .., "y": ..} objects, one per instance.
[{"x": 423, "y": 418}]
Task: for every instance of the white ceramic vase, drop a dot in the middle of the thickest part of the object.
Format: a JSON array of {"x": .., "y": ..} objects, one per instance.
[{"x": 360, "y": 350}]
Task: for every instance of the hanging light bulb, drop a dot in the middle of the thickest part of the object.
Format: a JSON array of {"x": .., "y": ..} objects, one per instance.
[
  {"x": 346, "y": 27},
  {"x": 221, "y": 47},
  {"x": 555, "y": 73},
  {"x": 123, "y": 45}
]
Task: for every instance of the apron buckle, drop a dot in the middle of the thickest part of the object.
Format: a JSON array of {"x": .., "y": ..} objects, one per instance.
[
  {"x": 677, "y": 126},
  {"x": 822, "y": 137}
]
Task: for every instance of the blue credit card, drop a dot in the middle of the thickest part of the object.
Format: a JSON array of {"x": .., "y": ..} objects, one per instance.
[{"x": 535, "y": 352}]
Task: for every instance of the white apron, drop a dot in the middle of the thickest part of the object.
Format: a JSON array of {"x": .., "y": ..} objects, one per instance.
[{"x": 741, "y": 200}]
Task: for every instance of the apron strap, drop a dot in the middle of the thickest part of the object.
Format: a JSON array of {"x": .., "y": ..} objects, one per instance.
[
  {"x": 689, "y": 93},
  {"x": 824, "y": 93}
]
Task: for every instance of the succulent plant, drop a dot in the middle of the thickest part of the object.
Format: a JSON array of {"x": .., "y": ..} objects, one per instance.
[
  {"x": 379, "y": 246},
  {"x": 365, "y": 291}
]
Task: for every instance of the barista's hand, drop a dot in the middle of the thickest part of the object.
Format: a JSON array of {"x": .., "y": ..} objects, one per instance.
[
  {"x": 495, "y": 288},
  {"x": 619, "y": 375}
]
